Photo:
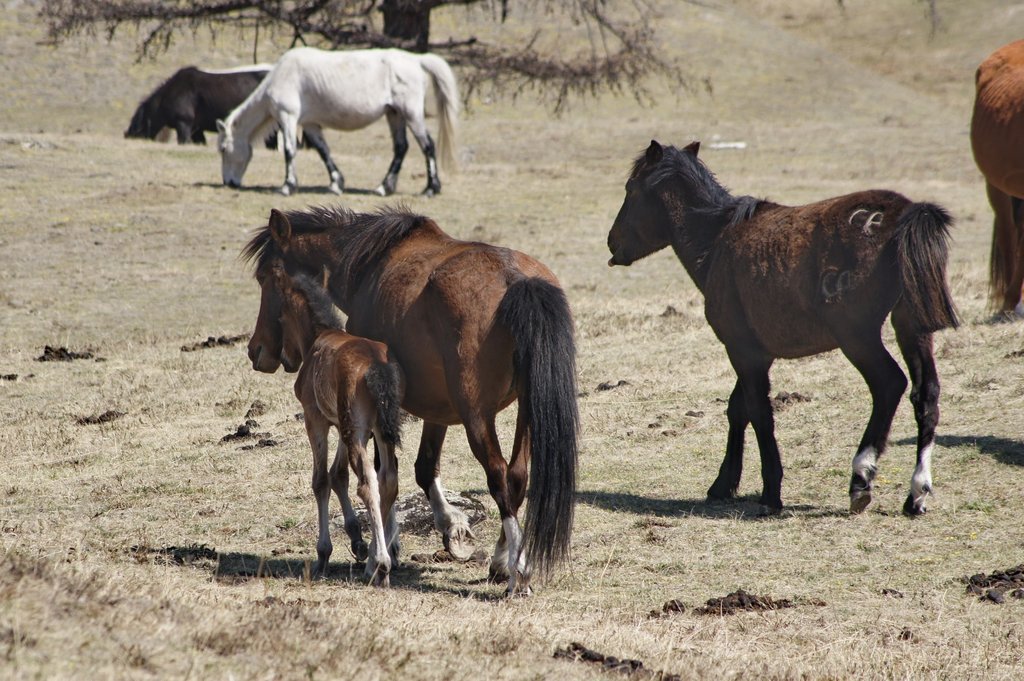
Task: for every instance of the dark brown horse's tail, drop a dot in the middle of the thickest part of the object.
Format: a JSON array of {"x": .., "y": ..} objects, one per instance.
[
  {"x": 537, "y": 315},
  {"x": 923, "y": 249},
  {"x": 384, "y": 382}
]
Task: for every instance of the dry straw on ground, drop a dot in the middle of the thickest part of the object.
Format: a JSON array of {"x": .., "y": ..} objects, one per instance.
[{"x": 143, "y": 547}]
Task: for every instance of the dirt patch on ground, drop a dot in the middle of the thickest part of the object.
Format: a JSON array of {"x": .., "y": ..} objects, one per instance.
[
  {"x": 178, "y": 555},
  {"x": 479, "y": 557},
  {"x": 62, "y": 354},
  {"x": 609, "y": 385},
  {"x": 737, "y": 601},
  {"x": 215, "y": 341},
  {"x": 244, "y": 432},
  {"x": 577, "y": 652},
  {"x": 998, "y": 585},
  {"x": 784, "y": 400},
  {"x": 106, "y": 417}
]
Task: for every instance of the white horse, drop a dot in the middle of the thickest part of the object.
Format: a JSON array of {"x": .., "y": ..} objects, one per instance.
[{"x": 345, "y": 91}]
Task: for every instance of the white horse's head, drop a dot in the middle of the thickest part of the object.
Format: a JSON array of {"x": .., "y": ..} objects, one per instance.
[{"x": 235, "y": 154}]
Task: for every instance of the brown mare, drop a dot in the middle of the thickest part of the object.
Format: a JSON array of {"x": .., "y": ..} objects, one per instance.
[
  {"x": 783, "y": 282},
  {"x": 348, "y": 382},
  {"x": 997, "y": 138},
  {"x": 474, "y": 327}
]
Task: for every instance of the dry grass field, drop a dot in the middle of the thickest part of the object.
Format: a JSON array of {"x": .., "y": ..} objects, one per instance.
[{"x": 143, "y": 547}]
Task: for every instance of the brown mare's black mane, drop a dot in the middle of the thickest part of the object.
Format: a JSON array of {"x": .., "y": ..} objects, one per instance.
[
  {"x": 710, "y": 207},
  {"x": 365, "y": 237}
]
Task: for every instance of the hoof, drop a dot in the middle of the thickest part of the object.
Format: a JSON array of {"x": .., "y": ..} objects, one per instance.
[
  {"x": 319, "y": 570},
  {"x": 285, "y": 190},
  {"x": 430, "y": 191},
  {"x": 381, "y": 191},
  {"x": 459, "y": 543},
  {"x": 520, "y": 588},
  {"x": 497, "y": 574},
  {"x": 859, "y": 501},
  {"x": 719, "y": 492},
  {"x": 913, "y": 508},
  {"x": 766, "y": 511},
  {"x": 335, "y": 189},
  {"x": 771, "y": 505},
  {"x": 360, "y": 550}
]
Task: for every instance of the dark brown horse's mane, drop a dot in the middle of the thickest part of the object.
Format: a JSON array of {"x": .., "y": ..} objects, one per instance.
[
  {"x": 709, "y": 207},
  {"x": 360, "y": 238}
]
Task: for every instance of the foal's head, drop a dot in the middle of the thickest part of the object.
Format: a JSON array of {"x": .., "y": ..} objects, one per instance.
[
  {"x": 235, "y": 154},
  {"x": 641, "y": 227}
]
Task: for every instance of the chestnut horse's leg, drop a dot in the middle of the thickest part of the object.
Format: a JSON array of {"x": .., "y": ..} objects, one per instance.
[
  {"x": 517, "y": 477},
  {"x": 315, "y": 137},
  {"x": 339, "y": 483},
  {"x": 728, "y": 480},
  {"x": 317, "y": 428},
  {"x": 378, "y": 564},
  {"x": 924, "y": 395},
  {"x": 1006, "y": 263},
  {"x": 400, "y": 145},
  {"x": 449, "y": 521},
  {"x": 887, "y": 384},
  {"x": 752, "y": 372}
]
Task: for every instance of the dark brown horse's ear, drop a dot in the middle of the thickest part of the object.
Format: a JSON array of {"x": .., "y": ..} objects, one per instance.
[
  {"x": 654, "y": 152},
  {"x": 693, "y": 147},
  {"x": 280, "y": 228}
]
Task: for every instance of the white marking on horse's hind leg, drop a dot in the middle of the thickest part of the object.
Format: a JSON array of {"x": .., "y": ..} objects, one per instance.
[
  {"x": 921, "y": 480},
  {"x": 1019, "y": 309},
  {"x": 518, "y": 580},
  {"x": 451, "y": 523},
  {"x": 498, "y": 570},
  {"x": 865, "y": 466},
  {"x": 391, "y": 536}
]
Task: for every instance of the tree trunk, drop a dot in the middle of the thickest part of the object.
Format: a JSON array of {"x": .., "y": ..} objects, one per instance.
[{"x": 408, "y": 20}]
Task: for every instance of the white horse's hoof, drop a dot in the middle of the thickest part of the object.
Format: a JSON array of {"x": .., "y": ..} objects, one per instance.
[
  {"x": 335, "y": 189},
  {"x": 285, "y": 190},
  {"x": 380, "y": 191}
]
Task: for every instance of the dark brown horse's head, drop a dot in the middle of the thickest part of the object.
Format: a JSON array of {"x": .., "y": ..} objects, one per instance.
[
  {"x": 276, "y": 341},
  {"x": 641, "y": 227}
]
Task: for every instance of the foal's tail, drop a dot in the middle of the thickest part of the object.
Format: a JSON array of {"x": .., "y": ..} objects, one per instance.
[
  {"x": 537, "y": 315},
  {"x": 446, "y": 91},
  {"x": 384, "y": 382},
  {"x": 923, "y": 249}
]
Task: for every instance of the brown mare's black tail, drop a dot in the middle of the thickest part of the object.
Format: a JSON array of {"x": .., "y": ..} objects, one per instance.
[
  {"x": 537, "y": 315},
  {"x": 923, "y": 249},
  {"x": 384, "y": 382}
]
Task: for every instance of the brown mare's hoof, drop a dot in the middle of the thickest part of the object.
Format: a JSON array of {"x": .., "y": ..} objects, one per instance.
[
  {"x": 859, "y": 501},
  {"x": 913, "y": 510},
  {"x": 459, "y": 544},
  {"x": 360, "y": 551}
]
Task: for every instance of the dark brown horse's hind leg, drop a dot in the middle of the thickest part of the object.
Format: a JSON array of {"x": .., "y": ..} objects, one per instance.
[
  {"x": 887, "y": 384},
  {"x": 517, "y": 476},
  {"x": 728, "y": 480},
  {"x": 924, "y": 395},
  {"x": 449, "y": 521},
  {"x": 753, "y": 376}
]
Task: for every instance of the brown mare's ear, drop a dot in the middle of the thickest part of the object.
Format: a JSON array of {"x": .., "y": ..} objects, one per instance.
[
  {"x": 280, "y": 228},
  {"x": 693, "y": 147},
  {"x": 654, "y": 152}
]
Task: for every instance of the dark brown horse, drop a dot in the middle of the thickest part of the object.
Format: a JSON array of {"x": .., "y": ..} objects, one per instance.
[
  {"x": 350, "y": 383},
  {"x": 474, "y": 327},
  {"x": 782, "y": 282},
  {"x": 997, "y": 138}
]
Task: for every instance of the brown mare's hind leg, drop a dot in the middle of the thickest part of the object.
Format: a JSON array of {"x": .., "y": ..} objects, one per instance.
[
  {"x": 517, "y": 476},
  {"x": 728, "y": 480},
  {"x": 752, "y": 372},
  {"x": 1007, "y": 259},
  {"x": 916, "y": 347},
  {"x": 887, "y": 383},
  {"x": 449, "y": 521}
]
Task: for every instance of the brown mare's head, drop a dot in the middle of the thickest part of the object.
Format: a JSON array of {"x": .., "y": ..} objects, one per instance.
[{"x": 641, "y": 227}]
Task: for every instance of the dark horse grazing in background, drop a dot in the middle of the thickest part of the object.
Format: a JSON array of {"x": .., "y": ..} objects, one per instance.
[
  {"x": 353, "y": 384},
  {"x": 997, "y": 139},
  {"x": 474, "y": 327},
  {"x": 784, "y": 282},
  {"x": 192, "y": 100}
]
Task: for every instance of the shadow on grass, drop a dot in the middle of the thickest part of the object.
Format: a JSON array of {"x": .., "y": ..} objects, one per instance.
[
  {"x": 1003, "y": 450},
  {"x": 239, "y": 568},
  {"x": 312, "y": 189},
  {"x": 744, "y": 507}
]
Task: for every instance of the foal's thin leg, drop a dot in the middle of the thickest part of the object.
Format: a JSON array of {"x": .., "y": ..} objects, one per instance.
[
  {"x": 289, "y": 131},
  {"x": 339, "y": 483},
  {"x": 400, "y": 145},
  {"x": 316, "y": 429},
  {"x": 728, "y": 480},
  {"x": 378, "y": 564},
  {"x": 516, "y": 476},
  {"x": 315, "y": 138},
  {"x": 449, "y": 521},
  {"x": 887, "y": 383},
  {"x": 753, "y": 376},
  {"x": 924, "y": 395}
]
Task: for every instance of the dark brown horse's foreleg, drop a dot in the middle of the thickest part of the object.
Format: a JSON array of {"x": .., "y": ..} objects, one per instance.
[
  {"x": 316, "y": 429},
  {"x": 728, "y": 480},
  {"x": 924, "y": 395},
  {"x": 753, "y": 375},
  {"x": 887, "y": 384}
]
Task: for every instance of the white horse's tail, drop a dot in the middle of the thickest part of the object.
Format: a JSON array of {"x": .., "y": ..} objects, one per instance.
[{"x": 446, "y": 90}]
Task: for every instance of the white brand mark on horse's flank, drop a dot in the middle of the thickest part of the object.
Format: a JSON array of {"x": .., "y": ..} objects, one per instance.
[{"x": 872, "y": 220}]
